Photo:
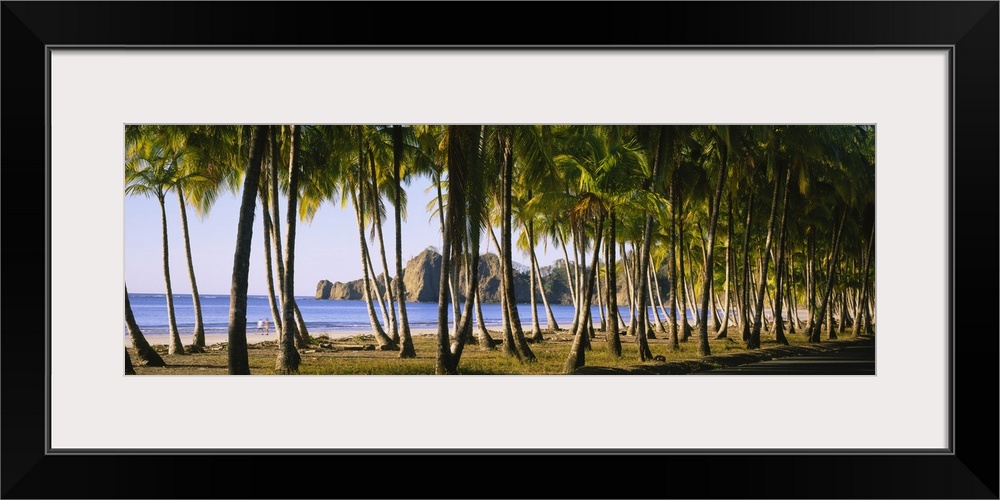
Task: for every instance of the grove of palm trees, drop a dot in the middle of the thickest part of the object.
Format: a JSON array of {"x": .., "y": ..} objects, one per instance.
[{"x": 679, "y": 242}]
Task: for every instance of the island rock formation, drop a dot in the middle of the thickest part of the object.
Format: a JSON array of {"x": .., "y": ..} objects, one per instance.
[{"x": 422, "y": 276}]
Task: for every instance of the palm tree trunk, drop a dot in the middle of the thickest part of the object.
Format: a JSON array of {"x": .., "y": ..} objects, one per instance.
[
  {"x": 198, "y": 340},
  {"x": 647, "y": 238},
  {"x": 389, "y": 299},
  {"x": 450, "y": 282},
  {"x": 845, "y": 316},
  {"x": 600, "y": 302},
  {"x": 659, "y": 300},
  {"x": 579, "y": 262},
  {"x": 791, "y": 293},
  {"x": 443, "y": 360},
  {"x": 685, "y": 328},
  {"x": 443, "y": 364},
  {"x": 376, "y": 292},
  {"x": 129, "y": 369},
  {"x": 860, "y": 326},
  {"x": 486, "y": 343},
  {"x": 507, "y": 164},
  {"x": 770, "y": 303},
  {"x": 723, "y": 331},
  {"x": 536, "y": 329},
  {"x": 613, "y": 337},
  {"x": 509, "y": 348},
  {"x": 406, "y": 350},
  {"x": 147, "y": 356},
  {"x": 550, "y": 319},
  {"x": 708, "y": 277},
  {"x": 577, "y": 356},
  {"x": 779, "y": 290},
  {"x": 630, "y": 287},
  {"x": 762, "y": 283},
  {"x": 569, "y": 277},
  {"x": 745, "y": 286},
  {"x": 830, "y": 328},
  {"x": 464, "y": 327},
  {"x": 811, "y": 279},
  {"x": 383, "y": 340},
  {"x": 691, "y": 297},
  {"x": 238, "y": 361},
  {"x": 654, "y": 287},
  {"x": 831, "y": 267},
  {"x": 779, "y": 327},
  {"x": 275, "y": 216},
  {"x": 269, "y": 274},
  {"x": 672, "y": 255},
  {"x": 176, "y": 347},
  {"x": 288, "y": 359},
  {"x": 301, "y": 333}
]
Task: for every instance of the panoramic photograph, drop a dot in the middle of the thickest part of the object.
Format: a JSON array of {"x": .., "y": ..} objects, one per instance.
[{"x": 499, "y": 249}]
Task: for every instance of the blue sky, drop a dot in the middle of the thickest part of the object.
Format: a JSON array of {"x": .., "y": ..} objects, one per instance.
[{"x": 326, "y": 248}]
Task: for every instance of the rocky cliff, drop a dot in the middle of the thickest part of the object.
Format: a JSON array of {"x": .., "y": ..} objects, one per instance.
[{"x": 422, "y": 276}]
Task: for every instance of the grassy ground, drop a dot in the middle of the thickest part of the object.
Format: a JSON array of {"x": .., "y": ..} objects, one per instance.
[{"x": 356, "y": 356}]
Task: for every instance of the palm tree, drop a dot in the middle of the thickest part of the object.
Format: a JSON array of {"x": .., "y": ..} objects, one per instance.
[
  {"x": 506, "y": 138},
  {"x": 722, "y": 147},
  {"x": 298, "y": 327},
  {"x": 356, "y": 185},
  {"x": 129, "y": 370},
  {"x": 174, "y": 141},
  {"x": 663, "y": 144},
  {"x": 604, "y": 161},
  {"x": 204, "y": 155},
  {"x": 147, "y": 356},
  {"x": 149, "y": 171},
  {"x": 467, "y": 195},
  {"x": 779, "y": 174},
  {"x": 264, "y": 192},
  {"x": 288, "y": 357},
  {"x": 444, "y": 359},
  {"x": 380, "y": 151},
  {"x": 406, "y": 350},
  {"x": 722, "y": 332},
  {"x": 238, "y": 361}
]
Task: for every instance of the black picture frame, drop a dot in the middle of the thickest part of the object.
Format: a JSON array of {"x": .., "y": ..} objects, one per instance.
[{"x": 970, "y": 29}]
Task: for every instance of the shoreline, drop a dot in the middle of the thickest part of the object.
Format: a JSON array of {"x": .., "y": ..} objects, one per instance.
[{"x": 255, "y": 338}]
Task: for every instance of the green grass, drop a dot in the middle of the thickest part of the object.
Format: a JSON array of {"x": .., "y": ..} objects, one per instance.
[{"x": 551, "y": 354}]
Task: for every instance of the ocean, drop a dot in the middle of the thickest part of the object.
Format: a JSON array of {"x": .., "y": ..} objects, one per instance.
[{"x": 150, "y": 311}]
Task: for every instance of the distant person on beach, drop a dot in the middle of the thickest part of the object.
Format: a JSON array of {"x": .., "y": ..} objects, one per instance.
[
  {"x": 267, "y": 326},
  {"x": 260, "y": 324}
]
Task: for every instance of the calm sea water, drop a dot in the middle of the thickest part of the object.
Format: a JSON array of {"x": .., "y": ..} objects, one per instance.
[{"x": 150, "y": 312}]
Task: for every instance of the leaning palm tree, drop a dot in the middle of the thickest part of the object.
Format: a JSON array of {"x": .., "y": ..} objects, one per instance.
[
  {"x": 147, "y": 356},
  {"x": 150, "y": 171},
  {"x": 356, "y": 182}
]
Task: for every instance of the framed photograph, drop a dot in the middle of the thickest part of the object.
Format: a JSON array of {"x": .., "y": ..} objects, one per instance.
[{"x": 922, "y": 75}]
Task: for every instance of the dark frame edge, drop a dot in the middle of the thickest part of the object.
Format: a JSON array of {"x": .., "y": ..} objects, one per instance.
[{"x": 960, "y": 453}]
